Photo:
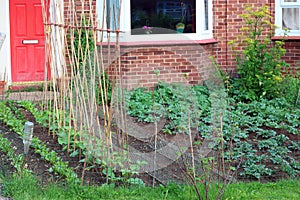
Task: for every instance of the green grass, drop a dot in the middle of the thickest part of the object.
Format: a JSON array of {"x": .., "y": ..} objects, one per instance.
[
  {"x": 29, "y": 188},
  {"x": 284, "y": 189}
]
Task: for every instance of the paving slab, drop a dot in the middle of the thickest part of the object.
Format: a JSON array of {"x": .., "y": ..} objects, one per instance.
[{"x": 31, "y": 96}]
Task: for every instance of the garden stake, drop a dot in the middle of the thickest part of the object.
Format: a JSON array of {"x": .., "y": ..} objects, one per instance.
[{"x": 28, "y": 132}]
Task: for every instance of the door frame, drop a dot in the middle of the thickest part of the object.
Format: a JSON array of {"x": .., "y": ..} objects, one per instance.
[
  {"x": 5, "y": 52},
  {"x": 16, "y": 83},
  {"x": 5, "y": 55}
]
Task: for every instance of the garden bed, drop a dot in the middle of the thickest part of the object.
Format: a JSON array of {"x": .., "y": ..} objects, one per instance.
[{"x": 40, "y": 167}]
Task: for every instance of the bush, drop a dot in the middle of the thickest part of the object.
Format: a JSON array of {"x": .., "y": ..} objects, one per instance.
[
  {"x": 260, "y": 63},
  {"x": 290, "y": 89}
]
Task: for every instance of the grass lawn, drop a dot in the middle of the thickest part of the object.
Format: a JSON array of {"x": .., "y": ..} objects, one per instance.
[
  {"x": 29, "y": 188},
  {"x": 285, "y": 189}
]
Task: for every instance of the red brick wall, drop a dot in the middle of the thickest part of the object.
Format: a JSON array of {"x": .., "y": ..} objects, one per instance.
[
  {"x": 292, "y": 55},
  {"x": 227, "y": 24},
  {"x": 74, "y": 13},
  {"x": 139, "y": 62},
  {"x": 74, "y": 10},
  {"x": 189, "y": 64}
]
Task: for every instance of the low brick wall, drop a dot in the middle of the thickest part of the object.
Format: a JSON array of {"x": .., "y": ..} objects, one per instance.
[{"x": 145, "y": 66}]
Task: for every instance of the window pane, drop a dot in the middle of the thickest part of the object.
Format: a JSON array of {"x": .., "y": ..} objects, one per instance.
[
  {"x": 112, "y": 15},
  {"x": 206, "y": 14},
  {"x": 290, "y": 18},
  {"x": 152, "y": 15}
]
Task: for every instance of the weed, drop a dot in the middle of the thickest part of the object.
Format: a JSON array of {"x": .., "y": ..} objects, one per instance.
[{"x": 260, "y": 63}]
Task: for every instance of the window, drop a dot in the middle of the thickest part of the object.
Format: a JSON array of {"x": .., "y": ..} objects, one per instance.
[
  {"x": 157, "y": 20},
  {"x": 160, "y": 17},
  {"x": 287, "y": 17}
]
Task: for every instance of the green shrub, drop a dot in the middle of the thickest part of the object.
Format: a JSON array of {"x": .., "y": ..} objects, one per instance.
[
  {"x": 260, "y": 63},
  {"x": 290, "y": 89}
]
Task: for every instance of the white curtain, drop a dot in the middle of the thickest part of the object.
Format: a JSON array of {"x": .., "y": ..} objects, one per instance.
[
  {"x": 58, "y": 62},
  {"x": 290, "y": 18},
  {"x": 112, "y": 15}
]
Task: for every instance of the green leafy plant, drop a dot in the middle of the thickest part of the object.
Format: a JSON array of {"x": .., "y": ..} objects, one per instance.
[
  {"x": 17, "y": 161},
  {"x": 257, "y": 126},
  {"x": 290, "y": 89},
  {"x": 17, "y": 125},
  {"x": 169, "y": 101},
  {"x": 260, "y": 63}
]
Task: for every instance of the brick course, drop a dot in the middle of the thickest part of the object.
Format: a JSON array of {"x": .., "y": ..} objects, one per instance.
[{"x": 145, "y": 66}]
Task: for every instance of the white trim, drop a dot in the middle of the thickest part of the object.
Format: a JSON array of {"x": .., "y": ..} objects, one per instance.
[
  {"x": 5, "y": 52},
  {"x": 58, "y": 62},
  {"x": 279, "y": 4},
  {"x": 125, "y": 25},
  {"x": 282, "y": 3},
  {"x": 5, "y": 57}
]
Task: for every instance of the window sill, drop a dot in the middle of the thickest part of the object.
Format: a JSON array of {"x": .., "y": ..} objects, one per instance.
[
  {"x": 165, "y": 42},
  {"x": 286, "y": 38}
]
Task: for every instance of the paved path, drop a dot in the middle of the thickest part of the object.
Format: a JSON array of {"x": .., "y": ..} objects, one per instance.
[{"x": 32, "y": 96}]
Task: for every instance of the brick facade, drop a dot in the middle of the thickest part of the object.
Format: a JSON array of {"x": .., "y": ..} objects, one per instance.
[
  {"x": 175, "y": 61},
  {"x": 144, "y": 66},
  {"x": 81, "y": 8},
  {"x": 228, "y": 22},
  {"x": 292, "y": 55}
]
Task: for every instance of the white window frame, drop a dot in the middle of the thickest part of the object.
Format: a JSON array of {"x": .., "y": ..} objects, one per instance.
[
  {"x": 279, "y": 4},
  {"x": 125, "y": 25}
]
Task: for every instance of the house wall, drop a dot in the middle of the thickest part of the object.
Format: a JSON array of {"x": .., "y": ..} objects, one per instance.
[
  {"x": 138, "y": 62},
  {"x": 5, "y": 50},
  {"x": 144, "y": 66},
  {"x": 74, "y": 13},
  {"x": 81, "y": 8},
  {"x": 226, "y": 28},
  {"x": 292, "y": 55}
]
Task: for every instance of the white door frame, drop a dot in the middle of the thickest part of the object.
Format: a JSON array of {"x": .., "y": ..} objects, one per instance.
[
  {"x": 5, "y": 52},
  {"x": 5, "y": 57}
]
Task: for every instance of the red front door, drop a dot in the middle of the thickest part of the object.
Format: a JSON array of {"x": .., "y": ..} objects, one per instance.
[{"x": 27, "y": 40}]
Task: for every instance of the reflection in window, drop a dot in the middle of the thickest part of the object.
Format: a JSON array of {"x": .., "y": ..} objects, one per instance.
[
  {"x": 290, "y": 18},
  {"x": 162, "y": 16}
]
